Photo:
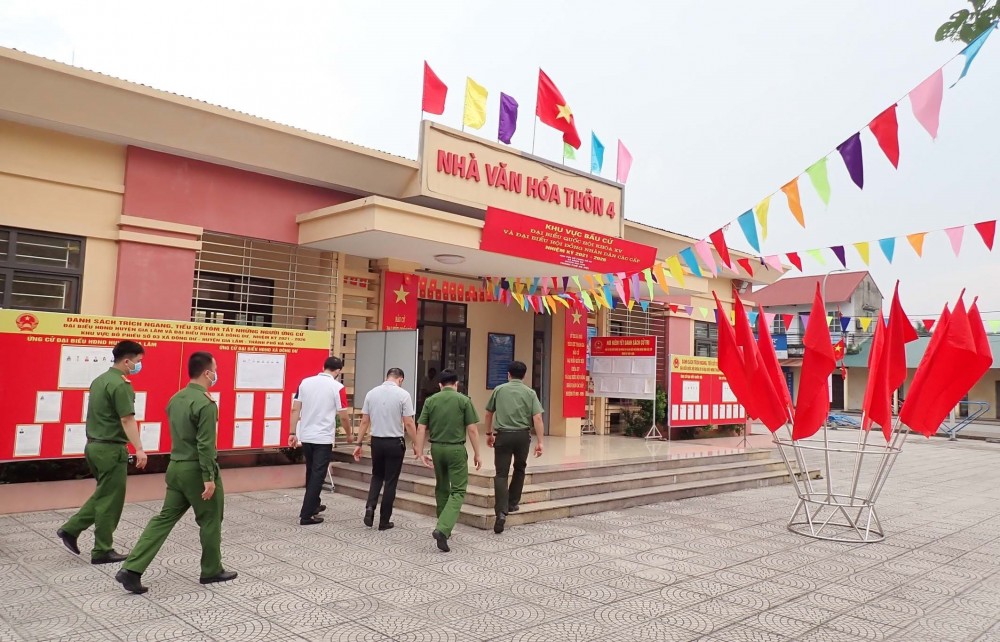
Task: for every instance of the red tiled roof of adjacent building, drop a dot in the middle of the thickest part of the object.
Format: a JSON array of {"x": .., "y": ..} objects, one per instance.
[{"x": 801, "y": 289}]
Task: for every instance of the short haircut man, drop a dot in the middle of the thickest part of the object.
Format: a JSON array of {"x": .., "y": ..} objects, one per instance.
[
  {"x": 387, "y": 411},
  {"x": 512, "y": 411},
  {"x": 319, "y": 401}
]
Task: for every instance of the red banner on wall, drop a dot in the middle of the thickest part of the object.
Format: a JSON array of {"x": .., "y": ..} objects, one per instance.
[
  {"x": 623, "y": 347},
  {"x": 698, "y": 394},
  {"x": 532, "y": 238},
  {"x": 44, "y": 414},
  {"x": 575, "y": 364},
  {"x": 399, "y": 301}
]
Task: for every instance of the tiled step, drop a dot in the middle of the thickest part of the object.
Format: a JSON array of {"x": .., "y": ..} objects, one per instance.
[
  {"x": 547, "y": 491},
  {"x": 483, "y": 517}
]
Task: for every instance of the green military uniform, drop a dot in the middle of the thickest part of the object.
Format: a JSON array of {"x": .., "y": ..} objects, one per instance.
[
  {"x": 447, "y": 415},
  {"x": 111, "y": 400},
  {"x": 193, "y": 418},
  {"x": 514, "y": 405}
]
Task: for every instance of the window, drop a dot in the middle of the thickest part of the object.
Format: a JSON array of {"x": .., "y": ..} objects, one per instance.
[
  {"x": 835, "y": 327},
  {"x": 40, "y": 271},
  {"x": 706, "y": 339},
  {"x": 233, "y": 299},
  {"x": 778, "y": 327}
]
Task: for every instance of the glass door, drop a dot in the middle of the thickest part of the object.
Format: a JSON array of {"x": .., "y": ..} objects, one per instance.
[{"x": 457, "y": 355}]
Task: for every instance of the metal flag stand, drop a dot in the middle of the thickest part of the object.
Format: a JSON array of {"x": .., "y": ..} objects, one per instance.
[{"x": 839, "y": 510}]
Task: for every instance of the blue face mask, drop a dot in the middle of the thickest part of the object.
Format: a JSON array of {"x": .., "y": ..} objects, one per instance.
[{"x": 136, "y": 369}]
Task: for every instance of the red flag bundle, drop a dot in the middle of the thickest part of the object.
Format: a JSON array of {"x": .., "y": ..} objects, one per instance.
[
  {"x": 876, "y": 406},
  {"x": 766, "y": 403},
  {"x": 731, "y": 360},
  {"x": 957, "y": 356},
  {"x": 812, "y": 406},
  {"x": 770, "y": 360}
]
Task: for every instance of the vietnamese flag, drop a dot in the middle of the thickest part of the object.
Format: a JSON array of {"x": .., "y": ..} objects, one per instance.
[
  {"x": 877, "y": 406},
  {"x": 551, "y": 109},
  {"x": 947, "y": 372},
  {"x": 812, "y": 406},
  {"x": 435, "y": 92},
  {"x": 770, "y": 360},
  {"x": 767, "y": 403},
  {"x": 731, "y": 359}
]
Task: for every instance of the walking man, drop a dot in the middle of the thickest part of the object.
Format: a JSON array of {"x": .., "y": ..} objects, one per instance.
[
  {"x": 110, "y": 427},
  {"x": 512, "y": 411},
  {"x": 449, "y": 418},
  {"x": 319, "y": 401},
  {"x": 193, "y": 480},
  {"x": 387, "y": 410}
]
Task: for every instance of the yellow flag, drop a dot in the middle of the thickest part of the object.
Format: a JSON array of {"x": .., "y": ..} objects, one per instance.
[
  {"x": 761, "y": 211},
  {"x": 475, "y": 104},
  {"x": 862, "y": 249},
  {"x": 630, "y": 304},
  {"x": 866, "y": 322},
  {"x": 917, "y": 242},
  {"x": 676, "y": 270}
]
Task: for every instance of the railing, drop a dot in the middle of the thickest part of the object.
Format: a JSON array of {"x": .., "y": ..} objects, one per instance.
[{"x": 975, "y": 410}]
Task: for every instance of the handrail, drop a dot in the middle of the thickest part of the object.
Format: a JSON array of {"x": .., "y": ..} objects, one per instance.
[{"x": 976, "y": 410}]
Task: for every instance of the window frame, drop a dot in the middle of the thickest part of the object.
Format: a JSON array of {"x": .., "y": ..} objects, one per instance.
[
  {"x": 710, "y": 342},
  {"x": 237, "y": 302},
  {"x": 11, "y": 268}
]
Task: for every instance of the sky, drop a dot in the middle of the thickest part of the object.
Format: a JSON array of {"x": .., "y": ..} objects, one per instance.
[{"x": 720, "y": 103}]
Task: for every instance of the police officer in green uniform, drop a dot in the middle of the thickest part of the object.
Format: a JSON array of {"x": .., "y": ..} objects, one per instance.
[
  {"x": 110, "y": 427},
  {"x": 512, "y": 411},
  {"x": 193, "y": 480},
  {"x": 449, "y": 417}
]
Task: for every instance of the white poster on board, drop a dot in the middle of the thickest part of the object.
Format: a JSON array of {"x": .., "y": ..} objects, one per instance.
[
  {"x": 140, "y": 407},
  {"x": 260, "y": 371},
  {"x": 272, "y": 432},
  {"x": 74, "y": 439},
  {"x": 48, "y": 407},
  {"x": 242, "y": 434},
  {"x": 727, "y": 393},
  {"x": 80, "y": 365},
  {"x": 149, "y": 434},
  {"x": 273, "y": 405},
  {"x": 691, "y": 392},
  {"x": 244, "y": 405},
  {"x": 28, "y": 440}
]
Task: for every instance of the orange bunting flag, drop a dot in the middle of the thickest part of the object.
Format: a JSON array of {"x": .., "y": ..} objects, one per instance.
[
  {"x": 791, "y": 190},
  {"x": 917, "y": 242}
]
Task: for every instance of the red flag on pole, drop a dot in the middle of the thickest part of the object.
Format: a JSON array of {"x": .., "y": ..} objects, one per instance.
[
  {"x": 877, "y": 407},
  {"x": 812, "y": 406},
  {"x": 551, "y": 109},
  {"x": 953, "y": 363},
  {"x": 435, "y": 92},
  {"x": 770, "y": 359},
  {"x": 900, "y": 332}
]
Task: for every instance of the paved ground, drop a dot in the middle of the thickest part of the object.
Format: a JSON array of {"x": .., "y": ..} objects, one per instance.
[{"x": 718, "y": 568}]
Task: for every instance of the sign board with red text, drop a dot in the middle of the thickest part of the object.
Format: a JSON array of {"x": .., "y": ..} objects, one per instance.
[
  {"x": 575, "y": 364},
  {"x": 44, "y": 399},
  {"x": 698, "y": 395},
  {"x": 525, "y": 237},
  {"x": 470, "y": 171},
  {"x": 623, "y": 367}
]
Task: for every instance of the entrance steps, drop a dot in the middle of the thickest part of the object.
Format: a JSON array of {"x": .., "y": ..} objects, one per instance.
[{"x": 555, "y": 492}]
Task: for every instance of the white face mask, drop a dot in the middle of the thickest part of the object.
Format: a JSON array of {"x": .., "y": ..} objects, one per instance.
[{"x": 214, "y": 378}]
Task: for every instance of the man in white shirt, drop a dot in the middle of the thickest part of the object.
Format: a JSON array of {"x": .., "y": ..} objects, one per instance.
[
  {"x": 387, "y": 410},
  {"x": 317, "y": 404}
]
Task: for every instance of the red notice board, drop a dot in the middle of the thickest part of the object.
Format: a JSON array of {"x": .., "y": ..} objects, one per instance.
[
  {"x": 698, "y": 394},
  {"x": 52, "y": 358}
]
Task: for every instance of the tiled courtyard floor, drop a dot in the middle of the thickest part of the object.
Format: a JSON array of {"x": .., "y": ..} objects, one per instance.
[{"x": 716, "y": 568}]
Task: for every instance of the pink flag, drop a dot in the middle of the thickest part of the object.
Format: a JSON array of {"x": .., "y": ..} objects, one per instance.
[
  {"x": 955, "y": 236},
  {"x": 774, "y": 261},
  {"x": 706, "y": 256},
  {"x": 925, "y": 100},
  {"x": 624, "y": 162}
]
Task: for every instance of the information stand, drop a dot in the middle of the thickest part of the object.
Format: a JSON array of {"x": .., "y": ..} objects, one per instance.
[
  {"x": 698, "y": 394},
  {"x": 625, "y": 368},
  {"x": 45, "y": 397}
]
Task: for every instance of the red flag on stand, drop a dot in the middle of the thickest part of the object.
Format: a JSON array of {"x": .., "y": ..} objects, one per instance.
[
  {"x": 900, "y": 332},
  {"x": 946, "y": 373},
  {"x": 435, "y": 92},
  {"x": 770, "y": 358},
  {"x": 767, "y": 403},
  {"x": 812, "y": 406},
  {"x": 877, "y": 404},
  {"x": 551, "y": 109}
]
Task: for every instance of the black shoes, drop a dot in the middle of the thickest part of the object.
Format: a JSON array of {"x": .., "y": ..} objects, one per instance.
[
  {"x": 111, "y": 557},
  {"x": 69, "y": 541},
  {"x": 310, "y": 521},
  {"x": 369, "y": 517},
  {"x": 442, "y": 540},
  {"x": 224, "y": 576},
  {"x": 322, "y": 507},
  {"x": 514, "y": 508},
  {"x": 384, "y": 526},
  {"x": 499, "y": 524},
  {"x": 131, "y": 581}
]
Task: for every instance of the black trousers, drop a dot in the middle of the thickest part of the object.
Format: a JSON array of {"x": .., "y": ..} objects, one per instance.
[
  {"x": 510, "y": 444},
  {"x": 387, "y": 463},
  {"x": 317, "y": 468}
]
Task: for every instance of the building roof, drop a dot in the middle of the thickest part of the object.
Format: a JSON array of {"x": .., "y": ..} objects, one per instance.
[
  {"x": 800, "y": 290},
  {"x": 914, "y": 352}
]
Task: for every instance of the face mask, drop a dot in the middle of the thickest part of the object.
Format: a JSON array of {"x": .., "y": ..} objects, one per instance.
[
  {"x": 214, "y": 380},
  {"x": 136, "y": 369}
]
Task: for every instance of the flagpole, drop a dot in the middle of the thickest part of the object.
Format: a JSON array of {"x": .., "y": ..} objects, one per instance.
[{"x": 534, "y": 130}]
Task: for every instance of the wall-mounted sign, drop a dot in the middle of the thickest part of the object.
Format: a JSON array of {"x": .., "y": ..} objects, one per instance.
[
  {"x": 624, "y": 367},
  {"x": 698, "y": 394},
  {"x": 531, "y": 238},
  {"x": 399, "y": 301},
  {"x": 575, "y": 364},
  {"x": 499, "y": 354},
  {"x": 470, "y": 171}
]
